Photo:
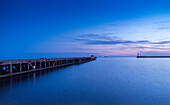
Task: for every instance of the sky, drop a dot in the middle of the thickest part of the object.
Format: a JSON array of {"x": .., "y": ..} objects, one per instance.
[{"x": 53, "y": 28}]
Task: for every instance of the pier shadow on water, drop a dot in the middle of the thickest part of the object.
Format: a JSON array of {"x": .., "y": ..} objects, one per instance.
[{"x": 7, "y": 82}]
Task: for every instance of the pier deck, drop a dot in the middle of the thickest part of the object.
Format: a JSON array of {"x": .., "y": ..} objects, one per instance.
[{"x": 15, "y": 67}]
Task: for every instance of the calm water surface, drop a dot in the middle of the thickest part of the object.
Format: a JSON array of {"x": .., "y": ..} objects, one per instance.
[{"x": 105, "y": 81}]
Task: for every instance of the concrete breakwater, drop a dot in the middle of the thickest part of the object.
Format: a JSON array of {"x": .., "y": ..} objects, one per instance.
[
  {"x": 15, "y": 67},
  {"x": 153, "y": 56}
]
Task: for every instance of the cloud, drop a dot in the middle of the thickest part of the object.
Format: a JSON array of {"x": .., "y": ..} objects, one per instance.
[
  {"x": 105, "y": 40},
  {"x": 113, "y": 24},
  {"x": 104, "y": 36},
  {"x": 148, "y": 53},
  {"x": 163, "y": 28},
  {"x": 141, "y": 47},
  {"x": 161, "y": 42},
  {"x": 116, "y": 38},
  {"x": 114, "y": 42},
  {"x": 162, "y": 22},
  {"x": 152, "y": 47}
]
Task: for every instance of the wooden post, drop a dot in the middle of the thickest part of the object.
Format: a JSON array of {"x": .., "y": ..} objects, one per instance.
[
  {"x": 49, "y": 63},
  {"x": 20, "y": 67},
  {"x": 28, "y": 66},
  {"x": 45, "y": 64},
  {"x": 79, "y": 61},
  {"x": 10, "y": 68},
  {"x": 73, "y": 61},
  {"x": 40, "y": 64},
  {"x": 53, "y": 63},
  {"x": 35, "y": 66}
]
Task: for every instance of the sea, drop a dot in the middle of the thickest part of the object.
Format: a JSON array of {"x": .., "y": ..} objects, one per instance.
[{"x": 104, "y": 81}]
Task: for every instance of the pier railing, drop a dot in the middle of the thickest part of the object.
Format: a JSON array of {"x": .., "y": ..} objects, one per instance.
[{"x": 15, "y": 67}]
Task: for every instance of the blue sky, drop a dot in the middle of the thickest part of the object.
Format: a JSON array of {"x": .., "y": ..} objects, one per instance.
[{"x": 83, "y": 27}]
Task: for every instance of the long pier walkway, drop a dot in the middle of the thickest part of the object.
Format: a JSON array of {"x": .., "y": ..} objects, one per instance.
[{"x": 15, "y": 67}]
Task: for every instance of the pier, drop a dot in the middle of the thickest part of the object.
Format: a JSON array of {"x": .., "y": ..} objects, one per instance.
[
  {"x": 153, "y": 56},
  {"x": 16, "y": 67},
  {"x": 138, "y": 56}
]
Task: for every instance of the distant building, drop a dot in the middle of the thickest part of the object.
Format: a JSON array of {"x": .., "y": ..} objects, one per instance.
[{"x": 92, "y": 57}]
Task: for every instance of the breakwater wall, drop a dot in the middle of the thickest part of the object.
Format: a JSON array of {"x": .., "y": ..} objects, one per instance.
[
  {"x": 16, "y": 67},
  {"x": 153, "y": 56}
]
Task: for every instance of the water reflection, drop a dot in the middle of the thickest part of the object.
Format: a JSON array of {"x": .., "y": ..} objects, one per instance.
[{"x": 19, "y": 79}]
